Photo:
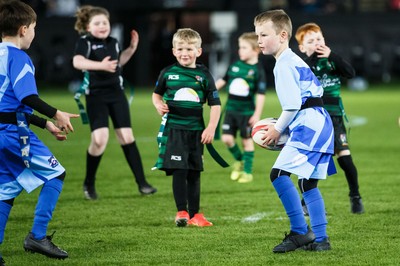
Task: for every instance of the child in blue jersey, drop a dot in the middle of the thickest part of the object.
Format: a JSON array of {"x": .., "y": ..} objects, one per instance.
[
  {"x": 246, "y": 85},
  {"x": 308, "y": 151},
  {"x": 25, "y": 162}
]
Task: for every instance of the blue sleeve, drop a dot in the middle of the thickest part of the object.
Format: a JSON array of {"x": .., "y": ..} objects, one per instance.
[
  {"x": 287, "y": 87},
  {"x": 22, "y": 75}
]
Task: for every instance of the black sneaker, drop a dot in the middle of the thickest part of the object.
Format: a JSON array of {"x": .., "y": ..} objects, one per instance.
[
  {"x": 2, "y": 262},
  {"x": 293, "y": 241},
  {"x": 44, "y": 247},
  {"x": 318, "y": 246},
  {"x": 89, "y": 192},
  {"x": 147, "y": 190},
  {"x": 356, "y": 205}
]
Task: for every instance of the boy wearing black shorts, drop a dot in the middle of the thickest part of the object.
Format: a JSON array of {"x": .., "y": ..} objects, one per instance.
[{"x": 181, "y": 91}]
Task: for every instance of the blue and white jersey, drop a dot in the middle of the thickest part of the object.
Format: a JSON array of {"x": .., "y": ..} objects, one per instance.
[
  {"x": 311, "y": 129},
  {"x": 16, "y": 82},
  {"x": 17, "y": 78}
]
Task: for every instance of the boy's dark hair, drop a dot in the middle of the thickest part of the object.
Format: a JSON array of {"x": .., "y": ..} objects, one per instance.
[{"x": 13, "y": 15}]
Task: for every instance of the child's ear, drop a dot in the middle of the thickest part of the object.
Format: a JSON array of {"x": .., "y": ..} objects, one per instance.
[
  {"x": 22, "y": 30},
  {"x": 199, "y": 51}
]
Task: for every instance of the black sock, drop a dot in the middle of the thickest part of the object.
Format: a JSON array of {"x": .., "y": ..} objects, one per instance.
[
  {"x": 92, "y": 163},
  {"x": 179, "y": 188},
  {"x": 193, "y": 192},
  {"x": 132, "y": 155},
  {"x": 350, "y": 171}
]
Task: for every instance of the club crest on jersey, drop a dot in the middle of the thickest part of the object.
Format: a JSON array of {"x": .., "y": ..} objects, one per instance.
[
  {"x": 53, "y": 161},
  {"x": 199, "y": 78},
  {"x": 173, "y": 77}
]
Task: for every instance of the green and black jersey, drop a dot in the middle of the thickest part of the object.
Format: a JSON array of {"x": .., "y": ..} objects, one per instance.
[
  {"x": 244, "y": 81},
  {"x": 329, "y": 71},
  {"x": 185, "y": 90}
]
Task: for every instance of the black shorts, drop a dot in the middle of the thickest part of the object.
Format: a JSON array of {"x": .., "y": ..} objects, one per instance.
[
  {"x": 235, "y": 122},
  {"x": 339, "y": 128},
  {"x": 102, "y": 106},
  {"x": 184, "y": 150}
]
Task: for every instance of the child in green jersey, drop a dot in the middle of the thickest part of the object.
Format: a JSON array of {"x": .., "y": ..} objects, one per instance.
[
  {"x": 180, "y": 93},
  {"x": 329, "y": 68},
  {"x": 246, "y": 84}
]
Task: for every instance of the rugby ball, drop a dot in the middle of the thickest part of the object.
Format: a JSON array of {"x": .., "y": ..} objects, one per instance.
[{"x": 260, "y": 128}]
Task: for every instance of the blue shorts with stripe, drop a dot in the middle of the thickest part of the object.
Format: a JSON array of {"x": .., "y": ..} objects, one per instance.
[{"x": 14, "y": 175}]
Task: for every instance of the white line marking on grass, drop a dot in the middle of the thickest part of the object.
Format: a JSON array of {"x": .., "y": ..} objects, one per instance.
[
  {"x": 356, "y": 121},
  {"x": 256, "y": 217}
]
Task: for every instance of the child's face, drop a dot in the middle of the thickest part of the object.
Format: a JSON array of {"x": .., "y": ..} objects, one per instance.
[
  {"x": 269, "y": 41},
  {"x": 311, "y": 41},
  {"x": 99, "y": 26},
  {"x": 186, "y": 54},
  {"x": 28, "y": 33},
  {"x": 246, "y": 51}
]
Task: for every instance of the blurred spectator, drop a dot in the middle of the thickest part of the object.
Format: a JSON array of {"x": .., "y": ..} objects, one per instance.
[
  {"x": 62, "y": 8},
  {"x": 38, "y": 5},
  {"x": 273, "y": 4},
  {"x": 309, "y": 6},
  {"x": 395, "y": 5}
]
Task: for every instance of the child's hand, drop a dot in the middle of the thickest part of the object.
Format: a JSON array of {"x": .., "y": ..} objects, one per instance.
[
  {"x": 252, "y": 120},
  {"x": 134, "y": 39},
  {"x": 323, "y": 51},
  {"x": 271, "y": 135},
  {"x": 208, "y": 135},
  {"x": 109, "y": 65},
  {"x": 63, "y": 121},
  {"x": 162, "y": 108},
  {"x": 55, "y": 131}
]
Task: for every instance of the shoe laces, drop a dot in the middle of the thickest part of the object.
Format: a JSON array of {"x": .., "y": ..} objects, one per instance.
[
  {"x": 289, "y": 236},
  {"x": 50, "y": 238}
]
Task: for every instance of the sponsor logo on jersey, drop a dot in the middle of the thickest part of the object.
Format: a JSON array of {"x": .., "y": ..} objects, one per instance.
[
  {"x": 173, "y": 77},
  {"x": 53, "y": 161},
  {"x": 97, "y": 46},
  {"x": 176, "y": 158},
  {"x": 235, "y": 69}
]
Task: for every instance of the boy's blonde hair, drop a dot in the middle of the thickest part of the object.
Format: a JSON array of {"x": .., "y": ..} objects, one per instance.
[
  {"x": 251, "y": 38},
  {"x": 280, "y": 20},
  {"x": 85, "y": 13},
  {"x": 187, "y": 35},
  {"x": 304, "y": 29}
]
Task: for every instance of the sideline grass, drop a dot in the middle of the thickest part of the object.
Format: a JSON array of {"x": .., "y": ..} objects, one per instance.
[{"x": 124, "y": 228}]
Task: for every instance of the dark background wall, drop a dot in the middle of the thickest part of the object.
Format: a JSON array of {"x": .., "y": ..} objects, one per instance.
[{"x": 370, "y": 40}]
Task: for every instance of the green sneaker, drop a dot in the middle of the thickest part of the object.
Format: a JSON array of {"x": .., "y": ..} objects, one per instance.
[
  {"x": 237, "y": 170},
  {"x": 245, "y": 178}
]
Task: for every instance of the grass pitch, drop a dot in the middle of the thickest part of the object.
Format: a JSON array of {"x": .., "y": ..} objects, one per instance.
[{"x": 124, "y": 228}]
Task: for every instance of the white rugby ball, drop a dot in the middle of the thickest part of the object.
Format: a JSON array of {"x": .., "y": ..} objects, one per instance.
[{"x": 260, "y": 128}]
